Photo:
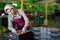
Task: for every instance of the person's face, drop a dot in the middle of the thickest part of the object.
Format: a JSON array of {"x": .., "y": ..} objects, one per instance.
[{"x": 10, "y": 11}]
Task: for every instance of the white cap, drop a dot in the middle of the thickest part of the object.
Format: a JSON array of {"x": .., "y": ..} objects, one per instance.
[{"x": 8, "y": 6}]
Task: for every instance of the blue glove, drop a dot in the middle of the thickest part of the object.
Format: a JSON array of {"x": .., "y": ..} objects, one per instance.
[
  {"x": 24, "y": 30},
  {"x": 14, "y": 31}
]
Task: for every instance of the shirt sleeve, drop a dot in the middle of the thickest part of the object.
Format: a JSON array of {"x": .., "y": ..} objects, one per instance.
[
  {"x": 25, "y": 17},
  {"x": 10, "y": 26}
]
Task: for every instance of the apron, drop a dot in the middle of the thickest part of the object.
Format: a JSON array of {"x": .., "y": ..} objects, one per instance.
[{"x": 19, "y": 23}]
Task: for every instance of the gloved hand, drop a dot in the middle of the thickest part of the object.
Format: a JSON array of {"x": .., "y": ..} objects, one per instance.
[
  {"x": 24, "y": 30},
  {"x": 14, "y": 31}
]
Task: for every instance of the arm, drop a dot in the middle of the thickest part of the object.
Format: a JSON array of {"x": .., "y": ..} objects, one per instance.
[
  {"x": 10, "y": 26},
  {"x": 25, "y": 18}
]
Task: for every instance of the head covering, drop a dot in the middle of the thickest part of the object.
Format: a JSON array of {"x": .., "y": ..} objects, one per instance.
[{"x": 7, "y": 7}]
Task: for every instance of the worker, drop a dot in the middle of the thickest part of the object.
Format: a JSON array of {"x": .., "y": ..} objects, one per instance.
[{"x": 17, "y": 17}]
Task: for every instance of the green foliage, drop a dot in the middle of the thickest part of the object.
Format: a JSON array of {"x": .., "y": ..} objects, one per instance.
[{"x": 30, "y": 1}]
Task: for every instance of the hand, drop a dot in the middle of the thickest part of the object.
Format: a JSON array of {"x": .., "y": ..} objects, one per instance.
[
  {"x": 14, "y": 31},
  {"x": 24, "y": 30}
]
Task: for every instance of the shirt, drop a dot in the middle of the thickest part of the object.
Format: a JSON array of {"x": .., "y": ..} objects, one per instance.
[{"x": 10, "y": 18}]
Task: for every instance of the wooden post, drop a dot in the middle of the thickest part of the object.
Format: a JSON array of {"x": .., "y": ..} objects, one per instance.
[
  {"x": 21, "y": 4},
  {"x": 46, "y": 19}
]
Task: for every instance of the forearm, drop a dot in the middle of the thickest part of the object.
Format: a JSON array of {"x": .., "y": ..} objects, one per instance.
[
  {"x": 10, "y": 28},
  {"x": 26, "y": 24}
]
